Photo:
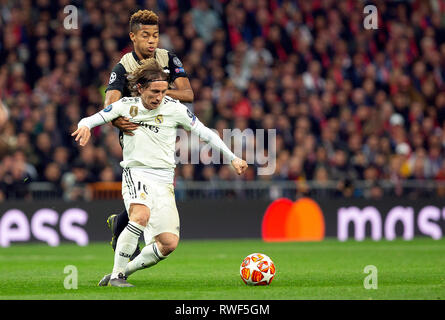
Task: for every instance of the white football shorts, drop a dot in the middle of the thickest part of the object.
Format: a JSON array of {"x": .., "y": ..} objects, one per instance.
[{"x": 139, "y": 187}]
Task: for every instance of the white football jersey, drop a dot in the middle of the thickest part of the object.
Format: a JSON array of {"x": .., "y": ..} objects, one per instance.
[{"x": 153, "y": 143}]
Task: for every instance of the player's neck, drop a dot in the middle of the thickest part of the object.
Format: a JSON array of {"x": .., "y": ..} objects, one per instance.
[
  {"x": 145, "y": 105},
  {"x": 141, "y": 57}
]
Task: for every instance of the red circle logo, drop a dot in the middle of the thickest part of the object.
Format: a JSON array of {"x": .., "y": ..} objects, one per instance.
[{"x": 285, "y": 220}]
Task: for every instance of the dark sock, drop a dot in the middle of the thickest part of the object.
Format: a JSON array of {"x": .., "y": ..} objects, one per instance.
[{"x": 121, "y": 223}]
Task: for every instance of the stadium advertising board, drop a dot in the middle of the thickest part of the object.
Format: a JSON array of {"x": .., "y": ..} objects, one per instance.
[
  {"x": 51, "y": 222},
  {"x": 83, "y": 222},
  {"x": 357, "y": 219},
  {"x": 281, "y": 220}
]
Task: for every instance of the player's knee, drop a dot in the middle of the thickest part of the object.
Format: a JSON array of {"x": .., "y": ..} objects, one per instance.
[
  {"x": 168, "y": 244},
  {"x": 141, "y": 220},
  {"x": 166, "y": 249},
  {"x": 139, "y": 214}
]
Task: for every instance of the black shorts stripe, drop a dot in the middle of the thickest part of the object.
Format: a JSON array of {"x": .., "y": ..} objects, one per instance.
[
  {"x": 124, "y": 176},
  {"x": 131, "y": 178},
  {"x": 131, "y": 186},
  {"x": 132, "y": 183}
]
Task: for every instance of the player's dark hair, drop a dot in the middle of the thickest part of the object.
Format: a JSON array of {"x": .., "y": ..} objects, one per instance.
[
  {"x": 149, "y": 71},
  {"x": 143, "y": 17}
]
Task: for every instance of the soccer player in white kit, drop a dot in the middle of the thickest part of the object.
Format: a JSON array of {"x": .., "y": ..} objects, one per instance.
[{"x": 148, "y": 167}]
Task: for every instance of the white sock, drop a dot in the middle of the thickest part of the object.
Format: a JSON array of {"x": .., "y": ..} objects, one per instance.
[
  {"x": 125, "y": 247},
  {"x": 149, "y": 256}
]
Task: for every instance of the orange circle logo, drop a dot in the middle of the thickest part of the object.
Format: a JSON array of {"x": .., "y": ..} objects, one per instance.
[{"x": 285, "y": 220}]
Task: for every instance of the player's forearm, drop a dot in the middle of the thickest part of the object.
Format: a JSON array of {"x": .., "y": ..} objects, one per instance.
[
  {"x": 183, "y": 95},
  {"x": 213, "y": 139},
  {"x": 92, "y": 121},
  {"x": 112, "y": 96}
]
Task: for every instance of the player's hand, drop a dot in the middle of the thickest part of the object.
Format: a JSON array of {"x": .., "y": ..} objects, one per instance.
[
  {"x": 239, "y": 165},
  {"x": 124, "y": 125},
  {"x": 82, "y": 135}
]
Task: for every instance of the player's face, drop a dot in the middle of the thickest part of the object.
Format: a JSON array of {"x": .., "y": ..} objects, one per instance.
[
  {"x": 145, "y": 40},
  {"x": 153, "y": 94}
]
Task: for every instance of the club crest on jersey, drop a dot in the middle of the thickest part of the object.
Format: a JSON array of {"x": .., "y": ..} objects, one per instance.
[
  {"x": 159, "y": 119},
  {"x": 133, "y": 111},
  {"x": 108, "y": 108}
]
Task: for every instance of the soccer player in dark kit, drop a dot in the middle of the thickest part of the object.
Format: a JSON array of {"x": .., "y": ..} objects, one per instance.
[{"x": 144, "y": 33}]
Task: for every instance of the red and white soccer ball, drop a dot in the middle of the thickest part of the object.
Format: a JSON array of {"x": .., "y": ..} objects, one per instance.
[{"x": 257, "y": 269}]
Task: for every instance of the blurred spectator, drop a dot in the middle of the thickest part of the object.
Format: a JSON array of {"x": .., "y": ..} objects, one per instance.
[
  {"x": 74, "y": 183},
  {"x": 347, "y": 103},
  {"x": 107, "y": 175},
  {"x": 4, "y": 114},
  {"x": 53, "y": 175},
  {"x": 375, "y": 192},
  {"x": 14, "y": 179},
  {"x": 345, "y": 188},
  {"x": 205, "y": 20}
]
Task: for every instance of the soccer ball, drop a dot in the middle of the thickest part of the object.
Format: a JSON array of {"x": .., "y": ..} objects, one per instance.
[{"x": 257, "y": 269}]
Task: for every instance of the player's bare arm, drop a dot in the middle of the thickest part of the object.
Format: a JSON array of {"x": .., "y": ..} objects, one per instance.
[
  {"x": 121, "y": 123},
  {"x": 183, "y": 91}
]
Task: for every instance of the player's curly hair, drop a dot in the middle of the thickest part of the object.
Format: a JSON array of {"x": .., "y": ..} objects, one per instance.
[
  {"x": 147, "y": 72},
  {"x": 141, "y": 17}
]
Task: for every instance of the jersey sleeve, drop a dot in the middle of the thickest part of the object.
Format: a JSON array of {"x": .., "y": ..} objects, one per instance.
[
  {"x": 213, "y": 139},
  {"x": 109, "y": 113},
  {"x": 190, "y": 122},
  {"x": 175, "y": 67},
  {"x": 117, "y": 78},
  {"x": 112, "y": 111},
  {"x": 185, "y": 118}
]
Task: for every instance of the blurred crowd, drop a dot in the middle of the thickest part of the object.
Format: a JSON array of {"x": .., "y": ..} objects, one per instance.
[{"x": 348, "y": 103}]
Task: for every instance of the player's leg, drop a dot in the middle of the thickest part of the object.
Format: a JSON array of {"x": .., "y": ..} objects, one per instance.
[
  {"x": 151, "y": 254},
  {"x": 165, "y": 243},
  {"x": 162, "y": 233},
  {"x": 117, "y": 223},
  {"x": 127, "y": 242}
]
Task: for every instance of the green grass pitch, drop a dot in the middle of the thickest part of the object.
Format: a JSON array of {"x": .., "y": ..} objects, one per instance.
[{"x": 209, "y": 270}]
